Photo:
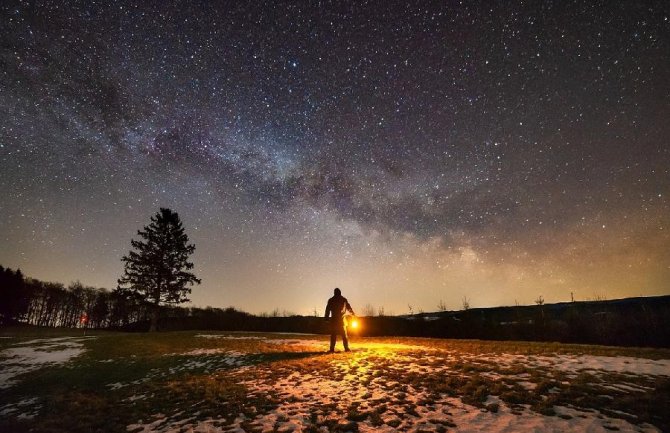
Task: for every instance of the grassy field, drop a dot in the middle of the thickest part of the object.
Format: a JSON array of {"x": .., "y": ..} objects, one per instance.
[{"x": 218, "y": 382}]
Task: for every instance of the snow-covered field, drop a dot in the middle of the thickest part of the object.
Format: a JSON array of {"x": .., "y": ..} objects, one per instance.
[{"x": 287, "y": 383}]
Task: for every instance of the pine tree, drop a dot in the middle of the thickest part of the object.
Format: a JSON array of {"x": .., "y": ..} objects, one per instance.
[{"x": 157, "y": 271}]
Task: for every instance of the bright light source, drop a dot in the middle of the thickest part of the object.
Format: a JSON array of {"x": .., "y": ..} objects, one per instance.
[{"x": 354, "y": 324}]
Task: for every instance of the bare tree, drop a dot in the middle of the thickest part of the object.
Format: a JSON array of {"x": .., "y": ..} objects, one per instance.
[
  {"x": 441, "y": 306},
  {"x": 539, "y": 300},
  {"x": 368, "y": 310},
  {"x": 466, "y": 303}
]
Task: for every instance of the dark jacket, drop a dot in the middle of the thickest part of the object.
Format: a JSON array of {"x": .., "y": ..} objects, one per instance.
[{"x": 338, "y": 306}]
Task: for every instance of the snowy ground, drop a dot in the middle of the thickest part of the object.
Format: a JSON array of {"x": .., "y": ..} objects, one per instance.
[
  {"x": 287, "y": 383},
  {"x": 32, "y": 355},
  {"x": 351, "y": 392}
]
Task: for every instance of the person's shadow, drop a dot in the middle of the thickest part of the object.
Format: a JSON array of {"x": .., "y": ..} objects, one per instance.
[{"x": 289, "y": 356}]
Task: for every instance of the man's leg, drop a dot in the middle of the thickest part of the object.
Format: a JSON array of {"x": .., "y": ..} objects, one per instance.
[
  {"x": 333, "y": 339},
  {"x": 345, "y": 339}
]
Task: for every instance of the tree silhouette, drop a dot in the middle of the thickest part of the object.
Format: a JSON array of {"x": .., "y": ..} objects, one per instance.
[
  {"x": 14, "y": 296},
  {"x": 157, "y": 271}
]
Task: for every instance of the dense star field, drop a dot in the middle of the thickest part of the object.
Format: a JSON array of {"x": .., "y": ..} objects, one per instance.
[{"x": 405, "y": 153}]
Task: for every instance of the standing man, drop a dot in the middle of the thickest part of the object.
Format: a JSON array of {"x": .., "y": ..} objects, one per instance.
[{"x": 338, "y": 306}]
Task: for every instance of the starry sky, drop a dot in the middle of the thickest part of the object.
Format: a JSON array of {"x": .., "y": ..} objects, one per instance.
[{"x": 406, "y": 152}]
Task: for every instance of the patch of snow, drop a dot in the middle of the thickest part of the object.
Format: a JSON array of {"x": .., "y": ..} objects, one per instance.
[
  {"x": 208, "y": 360},
  {"x": 136, "y": 397},
  {"x": 589, "y": 363},
  {"x": 470, "y": 420},
  {"x": 298, "y": 342},
  {"x": 627, "y": 387},
  {"x": 205, "y": 352},
  {"x": 32, "y": 355},
  {"x": 289, "y": 333},
  {"x": 200, "y": 352},
  {"x": 230, "y": 337},
  {"x": 116, "y": 385},
  {"x": 53, "y": 340},
  {"x": 23, "y": 409},
  {"x": 527, "y": 385}
]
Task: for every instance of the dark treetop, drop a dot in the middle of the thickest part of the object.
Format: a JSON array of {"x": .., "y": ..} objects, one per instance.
[{"x": 158, "y": 268}]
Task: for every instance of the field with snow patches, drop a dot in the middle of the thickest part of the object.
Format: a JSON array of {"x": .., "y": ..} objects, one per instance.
[{"x": 238, "y": 382}]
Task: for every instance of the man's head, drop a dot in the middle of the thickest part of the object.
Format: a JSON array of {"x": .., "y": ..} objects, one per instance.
[{"x": 337, "y": 292}]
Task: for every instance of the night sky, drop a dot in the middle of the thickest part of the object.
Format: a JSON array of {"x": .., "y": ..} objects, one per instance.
[{"x": 405, "y": 153}]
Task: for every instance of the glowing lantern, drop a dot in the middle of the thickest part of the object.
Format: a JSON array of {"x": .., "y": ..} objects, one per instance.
[{"x": 83, "y": 319}]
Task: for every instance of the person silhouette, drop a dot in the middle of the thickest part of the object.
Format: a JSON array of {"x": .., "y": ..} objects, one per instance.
[{"x": 337, "y": 307}]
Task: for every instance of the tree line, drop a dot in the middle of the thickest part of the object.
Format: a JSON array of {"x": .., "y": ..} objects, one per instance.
[
  {"x": 40, "y": 303},
  {"x": 30, "y": 301}
]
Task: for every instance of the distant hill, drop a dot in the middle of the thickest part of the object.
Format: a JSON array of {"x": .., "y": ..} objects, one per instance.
[{"x": 638, "y": 321}]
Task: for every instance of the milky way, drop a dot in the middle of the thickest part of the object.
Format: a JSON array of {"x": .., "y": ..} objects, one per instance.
[{"x": 408, "y": 154}]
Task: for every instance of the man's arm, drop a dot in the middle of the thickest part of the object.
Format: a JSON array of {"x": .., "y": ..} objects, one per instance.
[
  {"x": 348, "y": 307},
  {"x": 328, "y": 310}
]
